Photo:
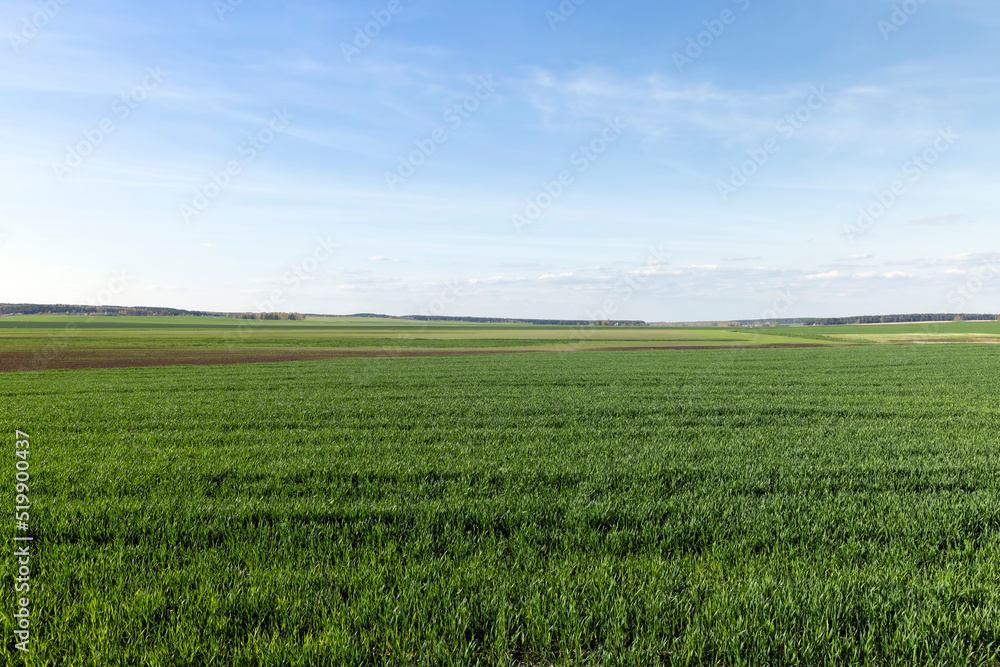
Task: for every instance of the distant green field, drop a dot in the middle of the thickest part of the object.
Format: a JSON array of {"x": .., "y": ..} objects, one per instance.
[
  {"x": 835, "y": 505},
  {"x": 53, "y": 342},
  {"x": 920, "y": 328},
  {"x": 24, "y": 331}
]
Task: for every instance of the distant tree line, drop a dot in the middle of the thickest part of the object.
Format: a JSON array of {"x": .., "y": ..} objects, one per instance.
[
  {"x": 508, "y": 320},
  {"x": 64, "y": 309},
  {"x": 494, "y": 320},
  {"x": 144, "y": 311},
  {"x": 288, "y": 317},
  {"x": 892, "y": 319}
]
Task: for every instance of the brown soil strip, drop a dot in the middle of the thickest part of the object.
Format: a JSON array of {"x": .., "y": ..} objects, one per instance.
[
  {"x": 703, "y": 347},
  {"x": 937, "y": 341},
  {"x": 54, "y": 358}
]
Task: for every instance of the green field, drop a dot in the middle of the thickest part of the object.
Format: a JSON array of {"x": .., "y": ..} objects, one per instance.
[
  {"x": 27, "y": 335},
  {"x": 36, "y": 343},
  {"x": 361, "y": 332},
  {"x": 39, "y": 343},
  {"x": 745, "y": 506}
]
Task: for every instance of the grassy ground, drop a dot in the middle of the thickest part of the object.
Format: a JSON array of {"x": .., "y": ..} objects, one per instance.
[
  {"x": 49, "y": 342},
  {"x": 836, "y": 505},
  {"x": 52, "y": 342}
]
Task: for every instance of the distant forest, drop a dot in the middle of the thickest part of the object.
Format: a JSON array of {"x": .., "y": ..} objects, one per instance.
[
  {"x": 893, "y": 319},
  {"x": 507, "y": 320},
  {"x": 142, "y": 311},
  {"x": 63, "y": 309}
]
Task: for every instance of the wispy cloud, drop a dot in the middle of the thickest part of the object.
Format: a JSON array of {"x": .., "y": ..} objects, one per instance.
[{"x": 935, "y": 220}]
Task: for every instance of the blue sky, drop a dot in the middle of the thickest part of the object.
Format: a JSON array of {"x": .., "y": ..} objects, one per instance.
[{"x": 683, "y": 161}]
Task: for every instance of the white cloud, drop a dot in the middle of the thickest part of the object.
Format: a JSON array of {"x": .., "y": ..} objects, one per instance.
[
  {"x": 824, "y": 276},
  {"x": 940, "y": 219}
]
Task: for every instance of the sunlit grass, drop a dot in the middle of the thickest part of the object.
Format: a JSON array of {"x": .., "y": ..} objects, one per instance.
[{"x": 784, "y": 507}]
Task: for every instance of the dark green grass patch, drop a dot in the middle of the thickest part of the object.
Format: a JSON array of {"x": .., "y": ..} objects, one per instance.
[{"x": 744, "y": 507}]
